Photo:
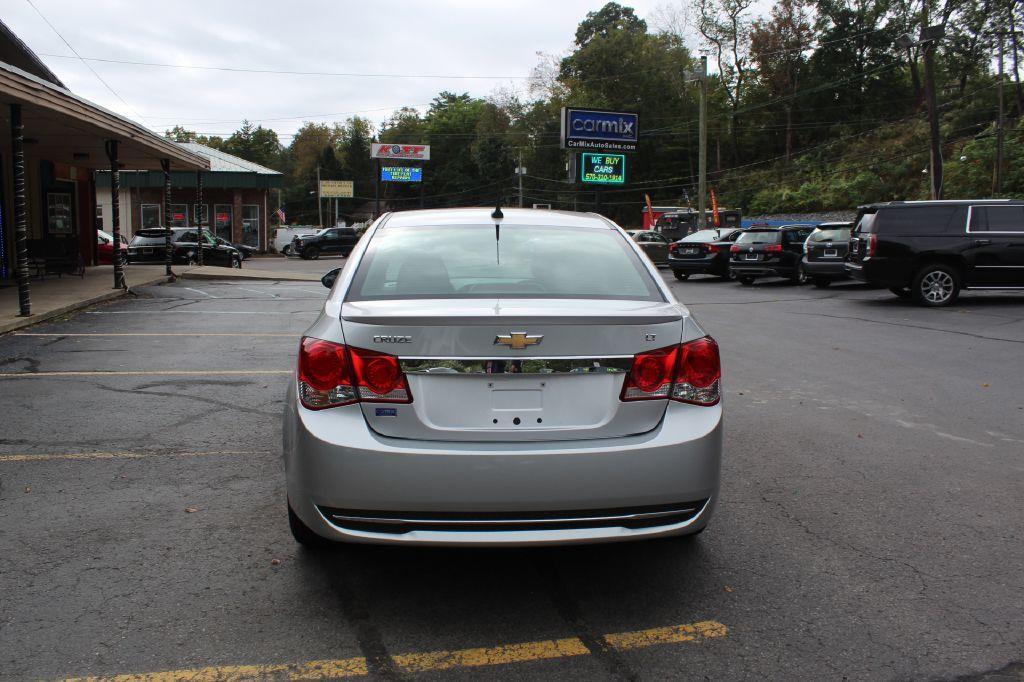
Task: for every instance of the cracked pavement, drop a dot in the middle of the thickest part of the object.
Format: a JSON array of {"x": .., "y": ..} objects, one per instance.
[{"x": 869, "y": 526}]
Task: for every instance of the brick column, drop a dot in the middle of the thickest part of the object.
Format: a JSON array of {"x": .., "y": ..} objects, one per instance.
[{"x": 236, "y": 217}]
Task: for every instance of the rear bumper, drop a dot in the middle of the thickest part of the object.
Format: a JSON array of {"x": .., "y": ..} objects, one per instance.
[
  {"x": 699, "y": 266},
  {"x": 333, "y": 460},
  {"x": 761, "y": 270},
  {"x": 881, "y": 273},
  {"x": 817, "y": 268}
]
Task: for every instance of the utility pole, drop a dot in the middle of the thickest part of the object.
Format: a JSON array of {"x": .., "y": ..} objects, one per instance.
[
  {"x": 930, "y": 36},
  {"x": 702, "y": 142},
  {"x": 997, "y": 172},
  {"x": 520, "y": 171},
  {"x": 319, "y": 199}
]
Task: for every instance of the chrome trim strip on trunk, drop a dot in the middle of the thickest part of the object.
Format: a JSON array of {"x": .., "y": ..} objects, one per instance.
[{"x": 513, "y": 365}]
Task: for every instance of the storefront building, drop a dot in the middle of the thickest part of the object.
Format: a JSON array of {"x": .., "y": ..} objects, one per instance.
[
  {"x": 52, "y": 142},
  {"x": 236, "y": 198}
]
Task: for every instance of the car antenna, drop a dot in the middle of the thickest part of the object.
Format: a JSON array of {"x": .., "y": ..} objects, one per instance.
[{"x": 497, "y": 215}]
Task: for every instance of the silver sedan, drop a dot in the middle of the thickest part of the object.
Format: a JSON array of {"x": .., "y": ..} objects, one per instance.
[{"x": 488, "y": 378}]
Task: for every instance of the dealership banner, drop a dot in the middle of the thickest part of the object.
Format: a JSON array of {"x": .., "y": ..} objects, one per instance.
[
  {"x": 597, "y": 129},
  {"x": 418, "y": 152}
]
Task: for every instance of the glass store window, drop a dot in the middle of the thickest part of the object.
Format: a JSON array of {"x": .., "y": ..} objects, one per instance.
[
  {"x": 179, "y": 215},
  {"x": 151, "y": 215},
  {"x": 222, "y": 220},
  {"x": 203, "y": 214},
  {"x": 251, "y": 225}
]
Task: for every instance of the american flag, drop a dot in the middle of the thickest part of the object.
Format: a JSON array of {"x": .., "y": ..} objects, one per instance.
[{"x": 280, "y": 215}]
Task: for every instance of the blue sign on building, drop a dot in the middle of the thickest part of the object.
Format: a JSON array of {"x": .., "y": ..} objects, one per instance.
[
  {"x": 598, "y": 129},
  {"x": 401, "y": 173}
]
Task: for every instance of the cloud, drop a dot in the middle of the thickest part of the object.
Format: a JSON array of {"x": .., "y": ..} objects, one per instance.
[{"x": 441, "y": 37}]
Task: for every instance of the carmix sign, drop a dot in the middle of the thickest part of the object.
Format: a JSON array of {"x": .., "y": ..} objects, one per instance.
[
  {"x": 598, "y": 129},
  {"x": 419, "y": 152}
]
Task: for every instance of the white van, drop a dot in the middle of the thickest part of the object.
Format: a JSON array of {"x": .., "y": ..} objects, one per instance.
[{"x": 283, "y": 236}]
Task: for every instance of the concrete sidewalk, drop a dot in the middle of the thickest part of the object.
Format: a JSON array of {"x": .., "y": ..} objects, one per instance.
[
  {"x": 53, "y": 296},
  {"x": 56, "y": 296}
]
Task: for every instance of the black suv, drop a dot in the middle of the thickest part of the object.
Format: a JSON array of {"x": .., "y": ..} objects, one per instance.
[
  {"x": 703, "y": 252},
  {"x": 147, "y": 246},
  {"x": 768, "y": 252},
  {"x": 825, "y": 253},
  {"x": 329, "y": 241},
  {"x": 930, "y": 250}
]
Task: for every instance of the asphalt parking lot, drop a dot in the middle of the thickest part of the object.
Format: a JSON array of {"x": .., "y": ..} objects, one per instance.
[{"x": 870, "y": 525}]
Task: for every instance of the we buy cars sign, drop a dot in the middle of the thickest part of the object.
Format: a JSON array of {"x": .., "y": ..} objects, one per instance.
[{"x": 418, "y": 152}]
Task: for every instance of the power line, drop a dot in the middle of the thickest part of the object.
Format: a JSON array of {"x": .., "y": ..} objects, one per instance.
[{"x": 100, "y": 78}]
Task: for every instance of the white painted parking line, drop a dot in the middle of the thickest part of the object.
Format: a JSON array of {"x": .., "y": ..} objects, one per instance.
[
  {"x": 59, "y": 334},
  {"x": 200, "y": 291},
  {"x": 201, "y": 312},
  {"x": 255, "y": 291}
]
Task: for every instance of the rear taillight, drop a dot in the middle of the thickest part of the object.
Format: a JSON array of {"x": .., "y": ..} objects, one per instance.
[
  {"x": 735, "y": 248},
  {"x": 673, "y": 247},
  {"x": 773, "y": 248},
  {"x": 711, "y": 248},
  {"x": 379, "y": 377},
  {"x": 688, "y": 373},
  {"x": 332, "y": 375},
  {"x": 871, "y": 246}
]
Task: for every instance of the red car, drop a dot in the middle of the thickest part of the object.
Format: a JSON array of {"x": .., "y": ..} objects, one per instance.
[{"x": 105, "y": 248}]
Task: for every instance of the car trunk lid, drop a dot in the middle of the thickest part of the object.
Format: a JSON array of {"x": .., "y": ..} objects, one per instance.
[{"x": 490, "y": 369}]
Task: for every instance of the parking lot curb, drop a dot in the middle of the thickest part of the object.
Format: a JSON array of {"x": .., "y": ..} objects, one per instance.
[
  {"x": 21, "y": 323},
  {"x": 210, "y": 272}
]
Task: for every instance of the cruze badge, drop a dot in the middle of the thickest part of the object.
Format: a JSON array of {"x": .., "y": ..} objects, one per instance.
[
  {"x": 390, "y": 338},
  {"x": 517, "y": 340}
]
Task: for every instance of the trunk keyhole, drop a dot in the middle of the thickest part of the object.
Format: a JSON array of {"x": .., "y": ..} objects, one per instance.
[{"x": 516, "y": 421}]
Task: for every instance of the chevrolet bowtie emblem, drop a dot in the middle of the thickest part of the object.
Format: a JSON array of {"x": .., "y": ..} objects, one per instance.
[{"x": 518, "y": 340}]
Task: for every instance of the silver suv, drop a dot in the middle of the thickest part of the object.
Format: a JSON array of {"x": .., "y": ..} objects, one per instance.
[{"x": 488, "y": 378}]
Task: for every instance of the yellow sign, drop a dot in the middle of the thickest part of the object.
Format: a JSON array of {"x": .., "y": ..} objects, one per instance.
[{"x": 336, "y": 189}]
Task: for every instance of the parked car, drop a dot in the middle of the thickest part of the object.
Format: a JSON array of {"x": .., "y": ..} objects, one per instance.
[
  {"x": 283, "y": 236},
  {"x": 147, "y": 246},
  {"x": 653, "y": 244},
  {"x": 327, "y": 242},
  {"x": 825, "y": 252},
  {"x": 105, "y": 248},
  {"x": 702, "y": 253},
  {"x": 768, "y": 252},
  {"x": 245, "y": 250},
  {"x": 931, "y": 250},
  {"x": 510, "y": 444}
]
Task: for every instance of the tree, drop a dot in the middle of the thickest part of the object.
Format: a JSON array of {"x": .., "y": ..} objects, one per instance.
[
  {"x": 180, "y": 134},
  {"x": 777, "y": 47},
  {"x": 257, "y": 144}
]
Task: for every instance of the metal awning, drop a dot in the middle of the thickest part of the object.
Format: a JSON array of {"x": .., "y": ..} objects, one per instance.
[{"x": 64, "y": 128}]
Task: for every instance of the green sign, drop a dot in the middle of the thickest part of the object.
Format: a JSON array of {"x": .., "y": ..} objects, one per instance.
[{"x": 603, "y": 169}]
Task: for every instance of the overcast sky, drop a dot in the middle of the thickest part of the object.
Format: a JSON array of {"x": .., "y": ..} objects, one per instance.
[{"x": 499, "y": 40}]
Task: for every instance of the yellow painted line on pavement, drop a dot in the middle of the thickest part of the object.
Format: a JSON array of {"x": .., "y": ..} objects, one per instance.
[
  {"x": 46, "y": 457},
  {"x": 51, "y": 334},
  {"x": 133, "y": 373},
  {"x": 433, "y": 661}
]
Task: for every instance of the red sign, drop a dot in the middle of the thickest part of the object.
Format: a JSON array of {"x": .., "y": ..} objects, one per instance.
[
  {"x": 714, "y": 209},
  {"x": 420, "y": 152}
]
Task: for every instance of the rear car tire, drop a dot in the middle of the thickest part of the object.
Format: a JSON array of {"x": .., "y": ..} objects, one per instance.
[
  {"x": 302, "y": 533},
  {"x": 935, "y": 285},
  {"x": 821, "y": 282},
  {"x": 236, "y": 262},
  {"x": 745, "y": 280},
  {"x": 286, "y": 250},
  {"x": 681, "y": 276},
  {"x": 312, "y": 253},
  {"x": 801, "y": 276}
]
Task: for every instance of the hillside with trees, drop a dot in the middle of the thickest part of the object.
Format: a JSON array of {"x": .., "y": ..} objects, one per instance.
[{"x": 813, "y": 107}]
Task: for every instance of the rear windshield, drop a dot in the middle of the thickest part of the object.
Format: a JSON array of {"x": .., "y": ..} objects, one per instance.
[
  {"x": 149, "y": 239},
  {"x": 866, "y": 224},
  {"x": 756, "y": 237},
  {"x": 830, "y": 235},
  {"x": 525, "y": 262},
  {"x": 706, "y": 236}
]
